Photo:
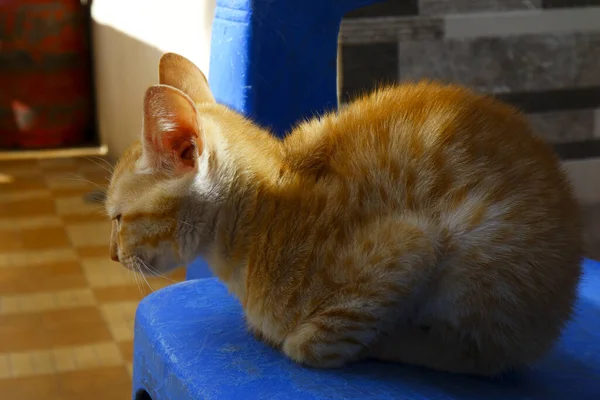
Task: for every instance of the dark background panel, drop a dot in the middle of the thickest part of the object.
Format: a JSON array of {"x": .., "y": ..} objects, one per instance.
[
  {"x": 366, "y": 66},
  {"x": 387, "y": 8},
  {"x": 569, "y": 3},
  {"x": 553, "y": 100},
  {"x": 578, "y": 150}
]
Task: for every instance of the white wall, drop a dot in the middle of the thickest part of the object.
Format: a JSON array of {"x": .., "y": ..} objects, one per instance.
[{"x": 129, "y": 36}]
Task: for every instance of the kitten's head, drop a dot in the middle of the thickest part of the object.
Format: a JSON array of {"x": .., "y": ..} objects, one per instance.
[{"x": 153, "y": 178}]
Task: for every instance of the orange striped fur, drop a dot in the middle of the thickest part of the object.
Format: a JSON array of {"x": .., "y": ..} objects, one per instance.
[{"x": 420, "y": 224}]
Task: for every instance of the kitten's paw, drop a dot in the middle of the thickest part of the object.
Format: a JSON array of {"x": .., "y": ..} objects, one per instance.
[{"x": 311, "y": 346}]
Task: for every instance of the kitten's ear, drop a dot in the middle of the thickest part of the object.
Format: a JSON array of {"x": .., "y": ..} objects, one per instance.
[
  {"x": 179, "y": 72},
  {"x": 171, "y": 134}
]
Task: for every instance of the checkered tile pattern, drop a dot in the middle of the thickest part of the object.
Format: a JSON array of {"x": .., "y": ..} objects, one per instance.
[{"x": 66, "y": 310}]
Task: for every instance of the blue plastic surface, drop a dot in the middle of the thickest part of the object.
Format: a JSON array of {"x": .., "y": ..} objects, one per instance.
[
  {"x": 191, "y": 343},
  {"x": 198, "y": 269},
  {"x": 275, "y": 62}
]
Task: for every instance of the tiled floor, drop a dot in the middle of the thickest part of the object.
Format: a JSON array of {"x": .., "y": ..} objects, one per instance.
[{"x": 66, "y": 310}]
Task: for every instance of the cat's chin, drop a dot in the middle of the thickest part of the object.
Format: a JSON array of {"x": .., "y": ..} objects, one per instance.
[
  {"x": 162, "y": 272},
  {"x": 154, "y": 264},
  {"x": 149, "y": 269}
]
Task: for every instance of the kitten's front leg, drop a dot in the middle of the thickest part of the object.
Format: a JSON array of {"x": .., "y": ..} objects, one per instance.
[
  {"x": 332, "y": 338},
  {"x": 258, "y": 335}
]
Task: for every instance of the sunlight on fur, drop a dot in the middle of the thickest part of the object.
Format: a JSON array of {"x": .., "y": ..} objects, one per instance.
[{"x": 421, "y": 224}]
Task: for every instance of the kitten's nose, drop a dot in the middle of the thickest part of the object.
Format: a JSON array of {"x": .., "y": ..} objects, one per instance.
[
  {"x": 114, "y": 252},
  {"x": 114, "y": 247}
]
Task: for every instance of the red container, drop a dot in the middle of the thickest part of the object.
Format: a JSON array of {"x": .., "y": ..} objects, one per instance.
[{"x": 45, "y": 80}]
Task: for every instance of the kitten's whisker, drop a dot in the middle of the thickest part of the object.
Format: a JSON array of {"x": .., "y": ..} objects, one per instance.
[
  {"x": 146, "y": 280},
  {"x": 140, "y": 263},
  {"x": 135, "y": 278},
  {"x": 99, "y": 165},
  {"x": 155, "y": 272},
  {"x": 74, "y": 177},
  {"x": 110, "y": 166}
]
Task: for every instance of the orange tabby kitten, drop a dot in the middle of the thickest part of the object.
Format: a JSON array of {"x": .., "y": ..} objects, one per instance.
[{"x": 421, "y": 224}]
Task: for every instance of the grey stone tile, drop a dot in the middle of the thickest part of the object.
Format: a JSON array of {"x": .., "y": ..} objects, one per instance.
[
  {"x": 507, "y": 64},
  {"x": 519, "y": 23},
  {"x": 391, "y": 29},
  {"x": 442, "y": 7},
  {"x": 564, "y": 126}
]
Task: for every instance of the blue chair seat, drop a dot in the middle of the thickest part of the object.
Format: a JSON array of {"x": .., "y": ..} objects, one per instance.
[{"x": 191, "y": 343}]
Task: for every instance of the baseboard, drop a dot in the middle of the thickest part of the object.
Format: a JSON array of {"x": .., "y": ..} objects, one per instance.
[{"x": 6, "y": 155}]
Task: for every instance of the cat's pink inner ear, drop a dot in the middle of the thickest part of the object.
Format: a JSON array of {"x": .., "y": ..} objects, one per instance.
[{"x": 171, "y": 128}]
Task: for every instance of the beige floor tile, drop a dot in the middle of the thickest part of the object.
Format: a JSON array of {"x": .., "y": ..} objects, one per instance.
[
  {"x": 108, "y": 354},
  {"x": 7, "y": 197},
  {"x": 100, "y": 251},
  {"x": 93, "y": 234},
  {"x": 103, "y": 272},
  {"x": 74, "y": 298},
  {"x": 46, "y": 277},
  {"x": 17, "y": 224},
  {"x": 54, "y": 164},
  {"x": 98, "y": 215},
  {"x": 10, "y": 241},
  {"x": 31, "y": 388},
  {"x": 21, "y": 365},
  {"x": 95, "y": 384},
  {"x": 60, "y": 359},
  {"x": 27, "y": 303},
  {"x": 129, "y": 367},
  {"x": 76, "y": 205},
  {"x": 126, "y": 350},
  {"x": 16, "y": 166},
  {"x": 63, "y": 358},
  {"x": 42, "y": 362},
  {"x": 43, "y": 301},
  {"x": 27, "y": 181},
  {"x": 43, "y": 206},
  {"x": 25, "y": 332},
  {"x": 5, "y": 371},
  {"x": 28, "y": 259},
  {"x": 50, "y": 237},
  {"x": 120, "y": 318},
  {"x": 85, "y": 357}
]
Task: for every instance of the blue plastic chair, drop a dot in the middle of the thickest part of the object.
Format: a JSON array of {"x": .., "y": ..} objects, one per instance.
[
  {"x": 275, "y": 60},
  {"x": 191, "y": 343}
]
